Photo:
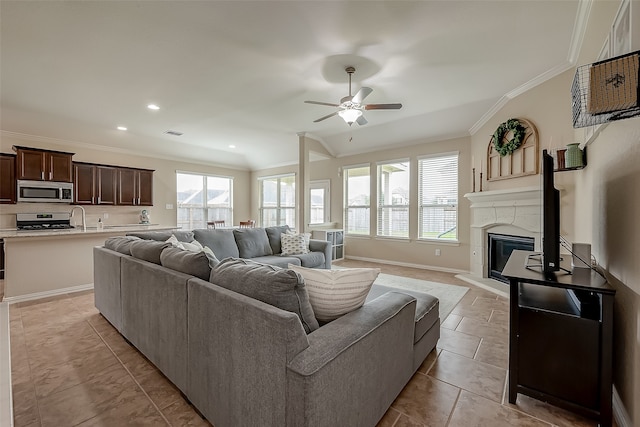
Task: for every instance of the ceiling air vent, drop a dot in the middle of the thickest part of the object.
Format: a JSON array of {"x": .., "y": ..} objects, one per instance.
[{"x": 174, "y": 133}]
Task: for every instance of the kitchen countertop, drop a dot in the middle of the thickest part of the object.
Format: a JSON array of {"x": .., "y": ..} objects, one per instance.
[{"x": 108, "y": 229}]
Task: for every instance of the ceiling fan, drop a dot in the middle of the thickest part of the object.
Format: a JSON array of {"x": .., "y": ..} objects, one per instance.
[{"x": 350, "y": 107}]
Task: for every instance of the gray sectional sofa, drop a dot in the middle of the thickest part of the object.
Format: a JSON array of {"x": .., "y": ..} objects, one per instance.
[
  {"x": 259, "y": 244},
  {"x": 244, "y": 362}
]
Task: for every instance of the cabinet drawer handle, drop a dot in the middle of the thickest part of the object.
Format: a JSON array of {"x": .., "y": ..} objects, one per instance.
[
  {"x": 50, "y": 176},
  {"x": 42, "y": 175},
  {"x": 98, "y": 199}
]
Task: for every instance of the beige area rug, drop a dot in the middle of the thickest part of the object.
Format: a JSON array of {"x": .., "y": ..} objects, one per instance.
[{"x": 449, "y": 295}]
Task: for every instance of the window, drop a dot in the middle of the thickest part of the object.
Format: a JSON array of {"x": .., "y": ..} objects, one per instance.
[
  {"x": 438, "y": 197},
  {"x": 393, "y": 199},
  {"x": 203, "y": 198},
  {"x": 278, "y": 200},
  {"x": 319, "y": 198},
  {"x": 357, "y": 200}
]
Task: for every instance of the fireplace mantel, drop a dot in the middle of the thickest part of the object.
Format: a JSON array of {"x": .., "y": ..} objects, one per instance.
[
  {"x": 509, "y": 197},
  {"x": 515, "y": 211}
]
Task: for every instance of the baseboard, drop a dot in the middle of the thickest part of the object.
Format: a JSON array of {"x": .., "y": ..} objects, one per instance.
[
  {"x": 620, "y": 413},
  {"x": 406, "y": 264},
  {"x": 46, "y": 294},
  {"x": 6, "y": 398}
]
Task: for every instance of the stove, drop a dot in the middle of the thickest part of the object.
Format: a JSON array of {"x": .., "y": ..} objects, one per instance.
[{"x": 43, "y": 221}]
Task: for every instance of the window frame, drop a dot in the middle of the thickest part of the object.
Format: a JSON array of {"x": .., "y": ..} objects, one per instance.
[
  {"x": 321, "y": 184},
  {"x": 205, "y": 206},
  {"x": 347, "y": 207},
  {"x": 421, "y": 206},
  {"x": 279, "y": 209},
  {"x": 381, "y": 207}
]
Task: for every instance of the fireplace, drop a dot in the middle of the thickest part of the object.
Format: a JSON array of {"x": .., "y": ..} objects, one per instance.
[
  {"x": 500, "y": 247},
  {"x": 510, "y": 212}
]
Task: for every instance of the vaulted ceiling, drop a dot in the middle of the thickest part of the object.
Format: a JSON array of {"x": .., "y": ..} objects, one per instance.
[{"x": 237, "y": 73}]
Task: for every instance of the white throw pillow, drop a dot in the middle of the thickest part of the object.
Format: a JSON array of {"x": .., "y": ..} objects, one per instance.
[
  {"x": 295, "y": 244},
  {"x": 333, "y": 293},
  {"x": 193, "y": 246}
]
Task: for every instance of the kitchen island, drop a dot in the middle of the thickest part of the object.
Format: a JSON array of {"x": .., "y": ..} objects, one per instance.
[{"x": 39, "y": 264}]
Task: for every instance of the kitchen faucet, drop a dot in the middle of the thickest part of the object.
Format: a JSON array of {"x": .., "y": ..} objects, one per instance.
[{"x": 84, "y": 217}]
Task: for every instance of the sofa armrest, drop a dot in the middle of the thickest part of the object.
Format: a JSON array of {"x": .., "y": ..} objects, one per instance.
[
  {"x": 367, "y": 353},
  {"x": 322, "y": 246}
]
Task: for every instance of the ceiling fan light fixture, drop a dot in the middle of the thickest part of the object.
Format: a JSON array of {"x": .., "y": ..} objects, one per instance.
[{"x": 350, "y": 115}]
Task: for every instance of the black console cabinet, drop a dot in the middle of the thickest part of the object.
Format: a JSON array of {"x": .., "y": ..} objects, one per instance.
[{"x": 560, "y": 338}]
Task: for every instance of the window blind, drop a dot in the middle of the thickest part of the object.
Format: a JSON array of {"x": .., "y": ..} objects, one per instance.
[{"x": 438, "y": 197}]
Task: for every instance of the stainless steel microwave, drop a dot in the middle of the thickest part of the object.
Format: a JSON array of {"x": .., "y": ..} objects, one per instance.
[{"x": 45, "y": 191}]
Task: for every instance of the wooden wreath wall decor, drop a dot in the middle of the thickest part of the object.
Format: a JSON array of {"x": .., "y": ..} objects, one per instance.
[
  {"x": 507, "y": 146},
  {"x": 512, "y": 151}
]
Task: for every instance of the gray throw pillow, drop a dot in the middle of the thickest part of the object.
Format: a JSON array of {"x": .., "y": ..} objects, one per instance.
[
  {"x": 276, "y": 286},
  {"x": 221, "y": 242},
  {"x": 252, "y": 242},
  {"x": 274, "y": 237},
  {"x": 198, "y": 264},
  {"x": 148, "y": 250},
  {"x": 121, "y": 244}
]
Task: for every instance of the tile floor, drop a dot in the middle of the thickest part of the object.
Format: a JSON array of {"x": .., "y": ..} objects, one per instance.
[{"x": 71, "y": 368}]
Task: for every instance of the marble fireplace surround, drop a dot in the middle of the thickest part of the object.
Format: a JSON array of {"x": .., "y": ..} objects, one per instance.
[{"x": 515, "y": 212}]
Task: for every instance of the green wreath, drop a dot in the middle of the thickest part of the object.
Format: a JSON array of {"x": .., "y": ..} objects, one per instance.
[{"x": 509, "y": 146}]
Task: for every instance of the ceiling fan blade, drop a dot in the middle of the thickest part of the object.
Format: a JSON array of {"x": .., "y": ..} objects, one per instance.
[
  {"x": 322, "y": 103},
  {"x": 325, "y": 117},
  {"x": 362, "y": 94},
  {"x": 383, "y": 106},
  {"x": 361, "y": 121}
]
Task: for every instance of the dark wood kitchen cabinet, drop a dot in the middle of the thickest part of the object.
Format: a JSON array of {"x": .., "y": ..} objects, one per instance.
[
  {"x": 43, "y": 165},
  {"x": 7, "y": 178},
  {"x": 94, "y": 184},
  {"x": 135, "y": 187}
]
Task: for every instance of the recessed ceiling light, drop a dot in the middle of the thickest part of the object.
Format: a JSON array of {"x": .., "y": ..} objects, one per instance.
[
  {"x": 122, "y": 128},
  {"x": 153, "y": 107},
  {"x": 232, "y": 146}
]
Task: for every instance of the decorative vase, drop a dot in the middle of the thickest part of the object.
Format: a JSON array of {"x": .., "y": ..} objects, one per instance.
[{"x": 573, "y": 156}]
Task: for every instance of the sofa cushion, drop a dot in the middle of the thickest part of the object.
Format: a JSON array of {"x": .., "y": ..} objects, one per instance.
[
  {"x": 294, "y": 244},
  {"x": 273, "y": 233},
  {"x": 277, "y": 260},
  {"x": 221, "y": 242},
  {"x": 282, "y": 288},
  {"x": 163, "y": 235},
  {"x": 148, "y": 250},
  {"x": 427, "y": 307},
  {"x": 333, "y": 293},
  {"x": 310, "y": 260},
  {"x": 198, "y": 264},
  {"x": 121, "y": 244},
  {"x": 252, "y": 242}
]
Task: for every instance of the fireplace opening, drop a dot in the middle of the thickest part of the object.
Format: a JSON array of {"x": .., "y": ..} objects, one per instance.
[{"x": 500, "y": 248}]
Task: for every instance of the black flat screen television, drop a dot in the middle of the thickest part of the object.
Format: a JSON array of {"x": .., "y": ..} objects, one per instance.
[{"x": 550, "y": 218}]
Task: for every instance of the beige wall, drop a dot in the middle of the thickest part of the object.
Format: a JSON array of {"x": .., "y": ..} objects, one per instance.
[
  {"x": 164, "y": 184},
  {"x": 548, "y": 107},
  {"x": 607, "y": 213},
  {"x": 454, "y": 257}
]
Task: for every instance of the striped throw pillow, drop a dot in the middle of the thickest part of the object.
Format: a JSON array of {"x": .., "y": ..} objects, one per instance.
[{"x": 334, "y": 293}]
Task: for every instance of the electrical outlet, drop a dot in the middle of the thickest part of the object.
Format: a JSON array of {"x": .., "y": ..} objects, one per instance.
[
  {"x": 168, "y": 206},
  {"x": 437, "y": 252},
  {"x": 105, "y": 215}
]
